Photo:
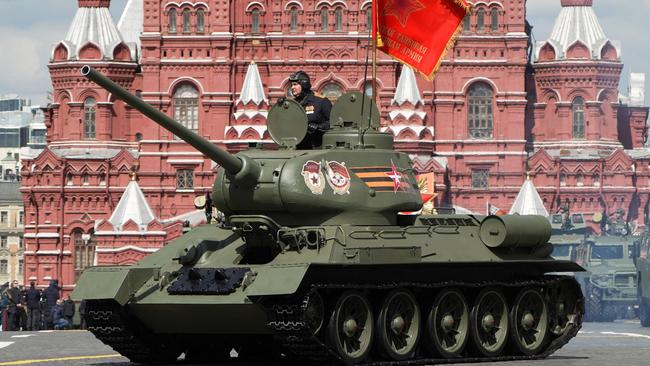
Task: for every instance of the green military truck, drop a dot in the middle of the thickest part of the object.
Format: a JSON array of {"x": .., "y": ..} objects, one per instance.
[
  {"x": 567, "y": 235},
  {"x": 642, "y": 263},
  {"x": 611, "y": 291}
]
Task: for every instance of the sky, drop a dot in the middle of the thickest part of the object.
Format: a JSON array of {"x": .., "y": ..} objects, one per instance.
[{"x": 27, "y": 37}]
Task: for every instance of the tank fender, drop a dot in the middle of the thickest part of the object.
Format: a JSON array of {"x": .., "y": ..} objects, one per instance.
[
  {"x": 117, "y": 283},
  {"x": 277, "y": 280}
]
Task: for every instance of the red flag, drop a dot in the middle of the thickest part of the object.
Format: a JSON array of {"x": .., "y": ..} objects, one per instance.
[{"x": 418, "y": 32}]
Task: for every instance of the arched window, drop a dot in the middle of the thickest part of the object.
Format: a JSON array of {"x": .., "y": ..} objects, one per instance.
[
  {"x": 84, "y": 251},
  {"x": 480, "y": 20},
  {"x": 596, "y": 179},
  {"x": 324, "y": 20},
  {"x": 338, "y": 19},
  {"x": 578, "y": 118},
  {"x": 255, "y": 21},
  {"x": 200, "y": 21},
  {"x": 186, "y": 21},
  {"x": 480, "y": 115},
  {"x": 467, "y": 21},
  {"x": 172, "y": 21},
  {"x": 562, "y": 179},
  {"x": 495, "y": 19},
  {"x": 294, "y": 19},
  {"x": 580, "y": 180},
  {"x": 186, "y": 106},
  {"x": 331, "y": 91},
  {"x": 90, "y": 105}
]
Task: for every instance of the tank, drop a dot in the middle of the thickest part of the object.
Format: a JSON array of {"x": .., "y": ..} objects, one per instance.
[
  {"x": 611, "y": 289},
  {"x": 312, "y": 262}
]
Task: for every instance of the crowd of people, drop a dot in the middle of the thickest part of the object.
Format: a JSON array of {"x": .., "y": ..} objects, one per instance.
[{"x": 32, "y": 309}]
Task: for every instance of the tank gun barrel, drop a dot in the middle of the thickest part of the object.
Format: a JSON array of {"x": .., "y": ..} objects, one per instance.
[{"x": 231, "y": 163}]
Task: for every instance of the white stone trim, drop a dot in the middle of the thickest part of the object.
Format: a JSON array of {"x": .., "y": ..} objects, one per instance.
[
  {"x": 41, "y": 235},
  {"x": 126, "y": 247}
]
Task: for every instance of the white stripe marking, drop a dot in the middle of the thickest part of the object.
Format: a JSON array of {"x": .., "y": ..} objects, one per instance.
[
  {"x": 634, "y": 335},
  {"x": 22, "y": 336},
  {"x": 5, "y": 344},
  {"x": 46, "y": 331}
]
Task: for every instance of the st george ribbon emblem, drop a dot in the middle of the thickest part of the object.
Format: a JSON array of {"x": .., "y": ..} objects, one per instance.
[
  {"x": 338, "y": 177},
  {"x": 313, "y": 176}
]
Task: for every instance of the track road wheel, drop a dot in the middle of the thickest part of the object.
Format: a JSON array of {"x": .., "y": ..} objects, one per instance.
[
  {"x": 489, "y": 322},
  {"x": 448, "y": 324},
  {"x": 351, "y": 327},
  {"x": 398, "y": 325},
  {"x": 529, "y": 322}
]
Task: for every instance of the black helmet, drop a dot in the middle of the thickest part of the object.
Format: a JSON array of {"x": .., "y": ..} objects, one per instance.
[{"x": 302, "y": 78}]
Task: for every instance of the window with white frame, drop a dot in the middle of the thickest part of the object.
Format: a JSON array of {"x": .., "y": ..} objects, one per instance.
[
  {"x": 185, "y": 179},
  {"x": 480, "y": 178},
  {"x": 186, "y": 106}
]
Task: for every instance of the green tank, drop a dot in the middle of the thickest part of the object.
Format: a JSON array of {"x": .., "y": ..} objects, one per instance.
[{"x": 313, "y": 262}]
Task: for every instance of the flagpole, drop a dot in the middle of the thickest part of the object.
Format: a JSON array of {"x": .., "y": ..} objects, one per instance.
[{"x": 375, "y": 30}]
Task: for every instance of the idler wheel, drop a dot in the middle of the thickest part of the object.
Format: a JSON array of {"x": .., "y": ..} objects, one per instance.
[
  {"x": 448, "y": 324},
  {"x": 314, "y": 314},
  {"x": 398, "y": 325},
  {"x": 351, "y": 327},
  {"x": 529, "y": 321},
  {"x": 489, "y": 322},
  {"x": 566, "y": 305}
]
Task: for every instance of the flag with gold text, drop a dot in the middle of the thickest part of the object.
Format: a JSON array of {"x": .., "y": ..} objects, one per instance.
[{"x": 418, "y": 32}]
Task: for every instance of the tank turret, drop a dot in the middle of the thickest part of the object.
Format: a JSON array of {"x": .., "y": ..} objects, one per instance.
[{"x": 357, "y": 176}]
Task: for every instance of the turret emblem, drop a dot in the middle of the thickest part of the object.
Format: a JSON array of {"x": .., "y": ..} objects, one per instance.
[
  {"x": 338, "y": 177},
  {"x": 395, "y": 176},
  {"x": 313, "y": 176}
]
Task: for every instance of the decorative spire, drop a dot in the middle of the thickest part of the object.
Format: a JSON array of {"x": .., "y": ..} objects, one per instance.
[
  {"x": 94, "y": 3},
  {"x": 528, "y": 201},
  {"x": 93, "y": 27},
  {"x": 407, "y": 88},
  {"x": 131, "y": 25},
  {"x": 132, "y": 206},
  {"x": 577, "y": 24},
  {"x": 252, "y": 90},
  {"x": 567, "y": 3}
]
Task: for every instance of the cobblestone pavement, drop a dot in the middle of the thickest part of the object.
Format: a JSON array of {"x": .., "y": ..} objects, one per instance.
[{"x": 598, "y": 344}]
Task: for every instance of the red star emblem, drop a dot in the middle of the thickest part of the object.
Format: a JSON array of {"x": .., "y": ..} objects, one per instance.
[
  {"x": 401, "y": 9},
  {"x": 395, "y": 176}
]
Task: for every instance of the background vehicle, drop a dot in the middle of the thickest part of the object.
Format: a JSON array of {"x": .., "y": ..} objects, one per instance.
[
  {"x": 612, "y": 288},
  {"x": 313, "y": 262},
  {"x": 642, "y": 263}
]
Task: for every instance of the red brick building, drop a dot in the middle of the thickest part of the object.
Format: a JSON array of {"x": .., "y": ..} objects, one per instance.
[{"x": 492, "y": 114}]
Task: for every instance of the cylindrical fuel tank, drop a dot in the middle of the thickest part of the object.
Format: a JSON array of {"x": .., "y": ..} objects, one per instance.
[{"x": 513, "y": 231}]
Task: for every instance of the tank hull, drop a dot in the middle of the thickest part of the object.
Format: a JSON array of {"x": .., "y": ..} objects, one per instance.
[{"x": 169, "y": 307}]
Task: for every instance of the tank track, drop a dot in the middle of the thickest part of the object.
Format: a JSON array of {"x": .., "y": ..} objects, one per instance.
[
  {"x": 107, "y": 321},
  {"x": 292, "y": 333}
]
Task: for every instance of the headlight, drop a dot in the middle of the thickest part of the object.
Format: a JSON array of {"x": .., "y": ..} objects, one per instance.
[{"x": 600, "y": 280}]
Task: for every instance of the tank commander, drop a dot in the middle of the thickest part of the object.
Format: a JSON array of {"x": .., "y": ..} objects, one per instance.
[{"x": 318, "y": 110}]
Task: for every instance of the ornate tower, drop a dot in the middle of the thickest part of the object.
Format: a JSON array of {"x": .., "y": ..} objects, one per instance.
[
  {"x": 577, "y": 73},
  {"x": 90, "y": 150},
  {"x": 581, "y": 126}
]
